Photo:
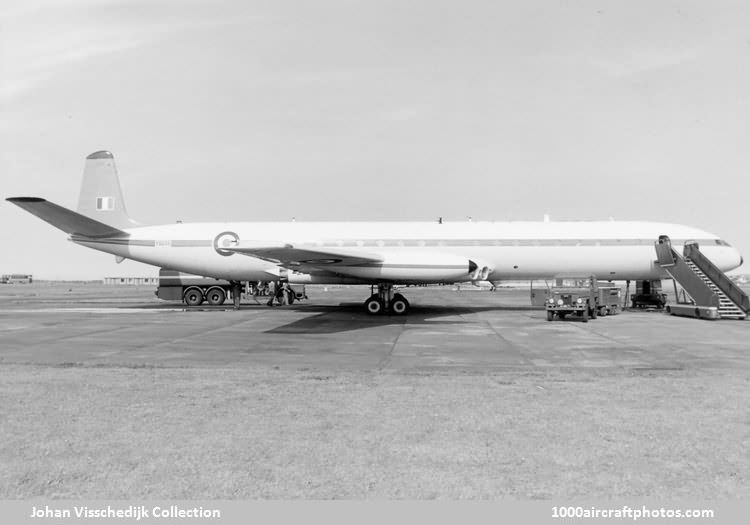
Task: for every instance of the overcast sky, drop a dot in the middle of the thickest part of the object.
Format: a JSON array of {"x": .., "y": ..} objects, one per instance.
[{"x": 377, "y": 110}]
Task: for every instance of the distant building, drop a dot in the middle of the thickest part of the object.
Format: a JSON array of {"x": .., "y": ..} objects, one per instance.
[
  {"x": 16, "y": 278},
  {"x": 130, "y": 281}
]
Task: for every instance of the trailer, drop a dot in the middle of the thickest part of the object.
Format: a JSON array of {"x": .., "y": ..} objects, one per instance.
[{"x": 194, "y": 290}]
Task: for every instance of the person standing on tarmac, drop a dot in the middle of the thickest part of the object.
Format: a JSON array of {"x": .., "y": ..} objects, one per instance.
[
  {"x": 236, "y": 294},
  {"x": 285, "y": 291},
  {"x": 280, "y": 293},
  {"x": 271, "y": 292},
  {"x": 255, "y": 289}
]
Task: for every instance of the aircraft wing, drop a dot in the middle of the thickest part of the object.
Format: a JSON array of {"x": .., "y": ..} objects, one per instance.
[
  {"x": 305, "y": 259},
  {"x": 394, "y": 266}
]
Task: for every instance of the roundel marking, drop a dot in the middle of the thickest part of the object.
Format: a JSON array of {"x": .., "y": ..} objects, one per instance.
[
  {"x": 321, "y": 261},
  {"x": 224, "y": 240}
]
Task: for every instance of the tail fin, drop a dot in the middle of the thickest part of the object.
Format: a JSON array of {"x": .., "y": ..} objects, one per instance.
[
  {"x": 65, "y": 219},
  {"x": 101, "y": 196}
]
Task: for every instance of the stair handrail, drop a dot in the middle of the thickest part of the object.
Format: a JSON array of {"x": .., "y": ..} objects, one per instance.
[
  {"x": 719, "y": 278},
  {"x": 678, "y": 269}
]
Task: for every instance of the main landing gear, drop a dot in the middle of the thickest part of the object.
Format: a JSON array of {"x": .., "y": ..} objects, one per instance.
[{"x": 386, "y": 301}]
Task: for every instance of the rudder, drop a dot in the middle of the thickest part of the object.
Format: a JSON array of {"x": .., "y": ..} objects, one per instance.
[{"x": 101, "y": 196}]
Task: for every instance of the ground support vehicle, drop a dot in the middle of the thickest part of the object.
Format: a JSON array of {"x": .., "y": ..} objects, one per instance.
[
  {"x": 194, "y": 290},
  {"x": 648, "y": 294},
  {"x": 609, "y": 299},
  {"x": 579, "y": 301}
]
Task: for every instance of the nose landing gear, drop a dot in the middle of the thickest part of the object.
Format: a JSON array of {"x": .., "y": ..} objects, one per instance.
[{"x": 386, "y": 301}]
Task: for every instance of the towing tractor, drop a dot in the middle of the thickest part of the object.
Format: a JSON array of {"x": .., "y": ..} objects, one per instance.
[{"x": 580, "y": 300}]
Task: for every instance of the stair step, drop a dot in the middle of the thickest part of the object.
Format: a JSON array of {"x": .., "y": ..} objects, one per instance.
[
  {"x": 724, "y": 301},
  {"x": 727, "y": 307}
]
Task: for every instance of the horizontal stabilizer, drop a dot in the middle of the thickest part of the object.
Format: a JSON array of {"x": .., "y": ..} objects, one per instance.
[{"x": 66, "y": 220}]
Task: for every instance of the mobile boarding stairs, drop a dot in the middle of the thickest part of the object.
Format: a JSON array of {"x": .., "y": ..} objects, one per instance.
[{"x": 707, "y": 292}]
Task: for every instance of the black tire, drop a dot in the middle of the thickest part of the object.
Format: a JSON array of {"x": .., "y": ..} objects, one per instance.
[
  {"x": 550, "y": 315},
  {"x": 592, "y": 313},
  {"x": 602, "y": 311},
  {"x": 216, "y": 296},
  {"x": 193, "y": 297},
  {"x": 374, "y": 306},
  {"x": 585, "y": 316},
  {"x": 399, "y": 305}
]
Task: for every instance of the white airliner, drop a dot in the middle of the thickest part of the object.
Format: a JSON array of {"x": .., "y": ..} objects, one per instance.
[{"x": 376, "y": 253}]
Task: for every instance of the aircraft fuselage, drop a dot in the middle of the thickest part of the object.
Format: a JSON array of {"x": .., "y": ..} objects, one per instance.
[{"x": 418, "y": 252}]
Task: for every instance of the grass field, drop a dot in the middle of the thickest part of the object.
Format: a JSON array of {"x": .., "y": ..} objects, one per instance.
[{"x": 143, "y": 432}]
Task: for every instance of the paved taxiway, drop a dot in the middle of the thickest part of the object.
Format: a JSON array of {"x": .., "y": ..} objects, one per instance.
[
  {"x": 110, "y": 393},
  {"x": 447, "y": 329}
]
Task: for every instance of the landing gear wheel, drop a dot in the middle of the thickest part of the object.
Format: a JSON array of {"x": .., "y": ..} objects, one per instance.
[
  {"x": 399, "y": 305},
  {"x": 193, "y": 297},
  {"x": 373, "y": 305},
  {"x": 216, "y": 296},
  {"x": 550, "y": 315}
]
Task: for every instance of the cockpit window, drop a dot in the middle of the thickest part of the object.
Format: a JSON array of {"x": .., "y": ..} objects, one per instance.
[{"x": 722, "y": 242}]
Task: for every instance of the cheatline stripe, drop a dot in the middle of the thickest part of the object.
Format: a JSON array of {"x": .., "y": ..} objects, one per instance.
[
  {"x": 381, "y": 243},
  {"x": 116, "y": 242},
  {"x": 190, "y": 244}
]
